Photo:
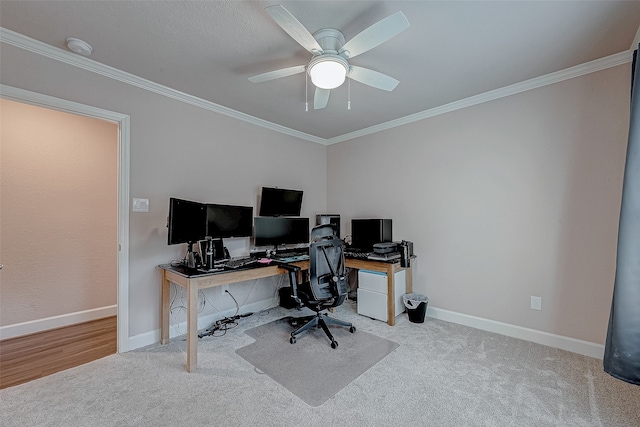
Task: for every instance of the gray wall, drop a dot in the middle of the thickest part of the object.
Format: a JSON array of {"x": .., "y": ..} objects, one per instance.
[
  {"x": 179, "y": 150},
  {"x": 504, "y": 200}
]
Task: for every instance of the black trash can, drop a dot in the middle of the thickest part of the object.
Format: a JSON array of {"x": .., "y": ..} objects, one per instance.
[{"x": 416, "y": 305}]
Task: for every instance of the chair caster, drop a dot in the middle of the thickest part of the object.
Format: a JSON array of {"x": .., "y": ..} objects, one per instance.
[
  {"x": 352, "y": 329},
  {"x": 292, "y": 340},
  {"x": 334, "y": 344}
]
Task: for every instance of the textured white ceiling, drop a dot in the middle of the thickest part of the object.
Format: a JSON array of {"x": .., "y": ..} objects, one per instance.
[{"x": 452, "y": 50}]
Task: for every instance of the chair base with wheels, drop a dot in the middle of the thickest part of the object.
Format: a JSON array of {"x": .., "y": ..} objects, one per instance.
[{"x": 319, "y": 320}]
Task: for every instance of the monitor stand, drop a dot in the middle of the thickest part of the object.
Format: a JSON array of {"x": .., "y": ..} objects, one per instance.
[
  {"x": 270, "y": 252},
  {"x": 193, "y": 258},
  {"x": 212, "y": 250}
]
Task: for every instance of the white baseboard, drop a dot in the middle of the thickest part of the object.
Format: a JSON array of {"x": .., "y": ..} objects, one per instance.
[
  {"x": 40, "y": 325},
  {"x": 153, "y": 337},
  {"x": 557, "y": 341},
  {"x": 573, "y": 345}
]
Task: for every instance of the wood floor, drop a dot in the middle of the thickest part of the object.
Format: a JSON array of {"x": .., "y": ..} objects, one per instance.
[{"x": 37, "y": 355}]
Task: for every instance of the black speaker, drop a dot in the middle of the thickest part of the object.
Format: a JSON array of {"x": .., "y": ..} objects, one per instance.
[
  {"x": 286, "y": 299},
  {"x": 332, "y": 219},
  {"x": 367, "y": 232}
]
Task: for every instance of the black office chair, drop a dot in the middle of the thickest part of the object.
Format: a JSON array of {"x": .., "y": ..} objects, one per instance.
[{"x": 326, "y": 287}]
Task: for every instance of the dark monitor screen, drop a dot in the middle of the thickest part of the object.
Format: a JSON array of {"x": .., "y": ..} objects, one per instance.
[
  {"x": 367, "y": 232},
  {"x": 187, "y": 221},
  {"x": 280, "y": 202},
  {"x": 226, "y": 221},
  {"x": 274, "y": 231}
]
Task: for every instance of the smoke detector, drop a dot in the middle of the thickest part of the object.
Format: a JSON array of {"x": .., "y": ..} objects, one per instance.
[{"x": 79, "y": 46}]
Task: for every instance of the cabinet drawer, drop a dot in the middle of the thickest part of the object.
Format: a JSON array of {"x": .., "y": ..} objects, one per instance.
[
  {"x": 372, "y": 304},
  {"x": 372, "y": 281}
]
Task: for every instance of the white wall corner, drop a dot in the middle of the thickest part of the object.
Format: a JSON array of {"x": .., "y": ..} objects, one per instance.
[{"x": 573, "y": 345}]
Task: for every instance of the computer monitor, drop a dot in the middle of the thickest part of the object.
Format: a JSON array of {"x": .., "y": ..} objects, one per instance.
[
  {"x": 367, "y": 232},
  {"x": 227, "y": 221},
  {"x": 274, "y": 231},
  {"x": 187, "y": 221},
  {"x": 280, "y": 202}
]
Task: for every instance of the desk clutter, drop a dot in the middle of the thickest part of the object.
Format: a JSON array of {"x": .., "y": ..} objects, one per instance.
[
  {"x": 317, "y": 262},
  {"x": 278, "y": 234}
]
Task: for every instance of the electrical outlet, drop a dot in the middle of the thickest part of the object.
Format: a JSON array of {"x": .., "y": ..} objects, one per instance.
[{"x": 536, "y": 303}]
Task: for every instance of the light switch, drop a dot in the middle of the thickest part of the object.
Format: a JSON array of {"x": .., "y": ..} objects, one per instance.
[{"x": 140, "y": 205}]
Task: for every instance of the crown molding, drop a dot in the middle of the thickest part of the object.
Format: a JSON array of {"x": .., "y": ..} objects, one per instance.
[
  {"x": 636, "y": 41},
  {"x": 23, "y": 42},
  {"x": 548, "y": 79}
]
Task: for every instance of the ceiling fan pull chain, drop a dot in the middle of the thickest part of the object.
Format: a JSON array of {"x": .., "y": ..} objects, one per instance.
[
  {"x": 306, "y": 93},
  {"x": 349, "y": 93}
]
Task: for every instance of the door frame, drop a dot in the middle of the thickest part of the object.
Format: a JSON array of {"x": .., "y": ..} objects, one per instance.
[{"x": 123, "y": 122}]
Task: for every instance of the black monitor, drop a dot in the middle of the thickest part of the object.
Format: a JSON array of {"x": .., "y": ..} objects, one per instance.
[
  {"x": 280, "y": 202},
  {"x": 367, "y": 232},
  {"x": 274, "y": 231},
  {"x": 187, "y": 221},
  {"x": 226, "y": 221}
]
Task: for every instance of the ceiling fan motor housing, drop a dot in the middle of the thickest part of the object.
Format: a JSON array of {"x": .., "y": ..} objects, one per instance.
[
  {"x": 328, "y": 74},
  {"x": 331, "y": 40}
]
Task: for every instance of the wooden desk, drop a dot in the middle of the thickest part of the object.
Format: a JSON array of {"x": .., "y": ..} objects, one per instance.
[
  {"x": 389, "y": 269},
  {"x": 193, "y": 284}
]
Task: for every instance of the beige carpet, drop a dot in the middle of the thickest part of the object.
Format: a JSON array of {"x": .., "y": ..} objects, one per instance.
[
  {"x": 442, "y": 374},
  {"x": 311, "y": 369}
]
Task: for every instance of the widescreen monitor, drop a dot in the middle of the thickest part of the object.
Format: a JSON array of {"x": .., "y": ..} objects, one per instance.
[
  {"x": 187, "y": 221},
  {"x": 280, "y": 202},
  {"x": 367, "y": 232},
  {"x": 275, "y": 231},
  {"x": 226, "y": 221}
]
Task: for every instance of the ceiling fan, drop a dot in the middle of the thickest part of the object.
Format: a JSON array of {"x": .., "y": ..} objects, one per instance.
[{"x": 329, "y": 65}]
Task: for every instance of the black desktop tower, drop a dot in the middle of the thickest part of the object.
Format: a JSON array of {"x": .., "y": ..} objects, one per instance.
[
  {"x": 367, "y": 232},
  {"x": 332, "y": 219}
]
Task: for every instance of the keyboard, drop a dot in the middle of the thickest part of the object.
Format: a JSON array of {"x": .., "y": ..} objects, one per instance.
[
  {"x": 289, "y": 254},
  {"x": 239, "y": 263},
  {"x": 293, "y": 258},
  {"x": 356, "y": 254}
]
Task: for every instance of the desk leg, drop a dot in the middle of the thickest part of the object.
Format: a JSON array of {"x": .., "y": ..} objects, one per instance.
[
  {"x": 166, "y": 300},
  {"x": 410, "y": 277},
  {"x": 192, "y": 326},
  {"x": 391, "y": 291}
]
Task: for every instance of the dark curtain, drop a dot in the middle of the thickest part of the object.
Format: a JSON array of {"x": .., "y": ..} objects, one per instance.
[{"x": 622, "y": 349}]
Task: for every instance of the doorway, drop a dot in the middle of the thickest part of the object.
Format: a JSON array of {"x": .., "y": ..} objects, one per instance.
[{"x": 120, "y": 246}]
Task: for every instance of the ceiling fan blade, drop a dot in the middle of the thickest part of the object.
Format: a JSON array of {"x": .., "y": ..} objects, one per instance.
[
  {"x": 294, "y": 28},
  {"x": 276, "y": 74},
  {"x": 373, "y": 78},
  {"x": 321, "y": 98},
  {"x": 375, "y": 35}
]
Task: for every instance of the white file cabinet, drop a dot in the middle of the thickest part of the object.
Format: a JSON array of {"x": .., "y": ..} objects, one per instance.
[{"x": 373, "y": 293}]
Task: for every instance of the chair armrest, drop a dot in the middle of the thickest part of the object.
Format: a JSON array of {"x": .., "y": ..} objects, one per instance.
[
  {"x": 289, "y": 267},
  {"x": 293, "y": 280}
]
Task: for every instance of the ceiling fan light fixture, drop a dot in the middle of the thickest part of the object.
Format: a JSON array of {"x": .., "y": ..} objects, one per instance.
[{"x": 328, "y": 71}]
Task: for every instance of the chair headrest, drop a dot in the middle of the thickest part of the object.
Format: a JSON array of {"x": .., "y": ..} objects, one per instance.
[{"x": 322, "y": 232}]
